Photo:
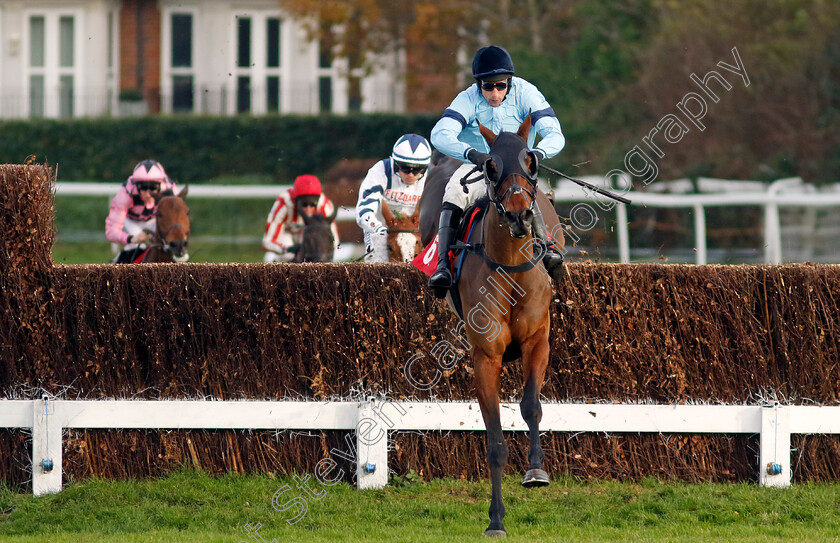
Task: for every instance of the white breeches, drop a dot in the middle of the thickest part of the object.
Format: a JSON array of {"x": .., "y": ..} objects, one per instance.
[{"x": 454, "y": 193}]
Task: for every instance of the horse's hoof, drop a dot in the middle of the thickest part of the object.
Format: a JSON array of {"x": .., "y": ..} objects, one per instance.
[
  {"x": 494, "y": 533},
  {"x": 535, "y": 477}
]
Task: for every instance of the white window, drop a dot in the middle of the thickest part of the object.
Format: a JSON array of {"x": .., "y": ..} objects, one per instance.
[
  {"x": 53, "y": 71},
  {"x": 325, "y": 70},
  {"x": 257, "y": 59},
  {"x": 178, "y": 51}
]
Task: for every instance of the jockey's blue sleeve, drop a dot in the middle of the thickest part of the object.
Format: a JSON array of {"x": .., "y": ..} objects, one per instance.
[
  {"x": 445, "y": 138},
  {"x": 457, "y": 130}
]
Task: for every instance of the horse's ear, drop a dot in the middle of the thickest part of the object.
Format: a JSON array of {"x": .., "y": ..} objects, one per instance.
[
  {"x": 525, "y": 127},
  {"x": 488, "y": 134},
  {"x": 386, "y": 213},
  {"x": 183, "y": 194},
  {"x": 416, "y": 214},
  {"x": 157, "y": 197},
  {"x": 334, "y": 214}
]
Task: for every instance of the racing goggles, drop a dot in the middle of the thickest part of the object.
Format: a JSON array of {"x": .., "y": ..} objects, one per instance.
[
  {"x": 415, "y": 169},
  {"x": 306, "y": 201},
  {"x": 152, "y": 186}
]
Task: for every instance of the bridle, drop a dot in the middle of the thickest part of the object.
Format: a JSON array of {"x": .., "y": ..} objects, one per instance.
[
  {"x": 310, "y": 252},
  {"x": 507, "y": 162},
  {"x": 160, "y": 237},
  {"x": 495, "y": 172}
]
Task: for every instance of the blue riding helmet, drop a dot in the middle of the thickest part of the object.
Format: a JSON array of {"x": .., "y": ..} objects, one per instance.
[{"x": 492, "y": 61}]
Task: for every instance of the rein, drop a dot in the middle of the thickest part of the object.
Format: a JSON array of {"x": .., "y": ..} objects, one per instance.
[
  {"x": 478, "y": 248},
  {"x": 515, "y": 169},
  {"x": 465, "y": 181}
]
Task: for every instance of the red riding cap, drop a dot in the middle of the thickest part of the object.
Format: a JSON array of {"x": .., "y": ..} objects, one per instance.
[{"x": 307, "y": 185}]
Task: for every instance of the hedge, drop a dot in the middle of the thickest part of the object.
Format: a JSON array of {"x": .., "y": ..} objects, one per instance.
[
  {"x": 620, "y": 333},
  {"x": 195, "y": 149}
]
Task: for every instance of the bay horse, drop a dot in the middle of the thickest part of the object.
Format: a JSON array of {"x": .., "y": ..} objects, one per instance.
[
  {"x": 503, "y": 279},
  {"x": 172, "y": 234},
  {"x": 403, "y": 234},
  {"x": 318, "y": 242}
]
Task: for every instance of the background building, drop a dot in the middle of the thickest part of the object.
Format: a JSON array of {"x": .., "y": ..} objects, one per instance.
[{"x": 63, "y": 59}]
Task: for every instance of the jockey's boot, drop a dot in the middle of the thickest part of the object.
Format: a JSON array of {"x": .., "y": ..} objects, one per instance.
[
  {"x": 552, "y": 259},
  {"x": 441, "y": 281}
]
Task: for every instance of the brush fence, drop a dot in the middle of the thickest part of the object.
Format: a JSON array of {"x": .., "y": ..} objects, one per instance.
[{"x": 371, "y": 420}]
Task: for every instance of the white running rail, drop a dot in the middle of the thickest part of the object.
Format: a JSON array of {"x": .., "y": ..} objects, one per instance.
[{"x": 372, "y": 420}]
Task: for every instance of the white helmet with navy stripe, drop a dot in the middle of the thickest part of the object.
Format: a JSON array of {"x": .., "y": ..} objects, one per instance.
[{"x": 412, "y": 149}]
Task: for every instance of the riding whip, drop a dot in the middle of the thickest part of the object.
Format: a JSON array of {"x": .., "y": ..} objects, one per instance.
[{"x": 590, "y": 186}]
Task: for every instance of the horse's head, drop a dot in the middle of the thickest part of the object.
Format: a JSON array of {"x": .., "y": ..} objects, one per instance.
[
  {"x": 318, "y": 241},
  {"x": 173, "y": 226},
  {"x": 403, "y": 234},
  {"x": 511, "y": 176}
]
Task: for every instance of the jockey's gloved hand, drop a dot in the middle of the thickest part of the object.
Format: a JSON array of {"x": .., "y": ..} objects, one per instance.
[
  {"x": 377, "y": 228},
  {"x": 477, "y": 157},
  {"x": 138, "y": 238}
]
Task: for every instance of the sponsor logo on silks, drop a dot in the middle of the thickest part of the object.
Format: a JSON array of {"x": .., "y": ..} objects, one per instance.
[
  {"x": 426, "y": 261},
  {"x": 401, "y": 197}
]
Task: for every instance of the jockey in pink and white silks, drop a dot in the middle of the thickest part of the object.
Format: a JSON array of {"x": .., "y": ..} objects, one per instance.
[
  {"x": 284, "y": 227},
  {"x": 398, "y": 181},
  {"x": 499, "y": 101},
  {"x": 131, "y": 220}
]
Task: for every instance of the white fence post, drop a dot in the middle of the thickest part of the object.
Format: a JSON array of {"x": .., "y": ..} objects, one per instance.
[
  {"x": 46, "y": 447},
  {"x": 371, "y": 449},
  {"x": 623, "y": 235},
  {"x": 774, "y": 458},
  {"x": 700, "y": 232}
]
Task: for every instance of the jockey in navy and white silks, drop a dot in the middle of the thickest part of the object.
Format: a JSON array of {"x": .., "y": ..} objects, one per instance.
[
  {"x": 398, "y": 181},
  {"x": 499, "y": 101}
]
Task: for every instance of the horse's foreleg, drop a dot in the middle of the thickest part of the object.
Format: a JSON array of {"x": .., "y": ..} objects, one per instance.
[
  {"x": 487, "y": 384},
  {"x": 535, "y": 358}
]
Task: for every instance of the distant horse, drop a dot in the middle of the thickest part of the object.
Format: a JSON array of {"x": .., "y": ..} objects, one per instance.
[
  {"x": 403, "y": 234},
  {"x": 318, "y": 241},
  {"x": 505, "y": 294},
  {"x": 172, "y": 235}
]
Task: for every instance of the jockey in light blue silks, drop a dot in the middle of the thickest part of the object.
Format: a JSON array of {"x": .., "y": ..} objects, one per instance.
[
  {"x": 398, "y": 181},
  {"x": 499, "y": 101}
]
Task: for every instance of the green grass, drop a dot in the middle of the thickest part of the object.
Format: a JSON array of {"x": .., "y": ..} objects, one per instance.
[
  {"x": 99, "y": 252},
  {"x": 191, "y": 506},
  {"x": 80, "y": 229}
]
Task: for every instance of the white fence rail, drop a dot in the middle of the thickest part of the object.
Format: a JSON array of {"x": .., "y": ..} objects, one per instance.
[
  {"x": 371, "y": 421},
  {"x": 781, "y": 193},
  {"x": 785, "y": 193}
]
